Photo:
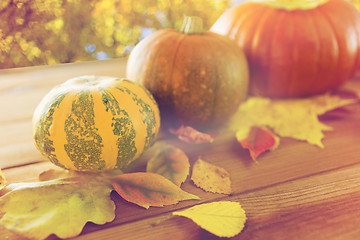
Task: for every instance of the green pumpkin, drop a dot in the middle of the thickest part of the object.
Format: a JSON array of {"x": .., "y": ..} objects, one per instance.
[{"x": 94, "y": 123}]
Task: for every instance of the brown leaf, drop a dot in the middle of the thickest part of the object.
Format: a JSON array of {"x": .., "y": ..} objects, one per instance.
[
  {"x": 149, "y": 189},
  {"x": 211, "y": 178},
  {"x": 257, "y": 141},
  {"x": 190, "y": 135},
  {"x": 170, "y": 162}
]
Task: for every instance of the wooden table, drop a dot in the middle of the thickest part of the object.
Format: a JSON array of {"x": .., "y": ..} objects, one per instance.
[{"x": 298, "y": 191}]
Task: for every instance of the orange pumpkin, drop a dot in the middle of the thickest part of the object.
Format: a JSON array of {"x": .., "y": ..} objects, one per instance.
[
  {"x": 295, "y": 48},
  {"x": 197, "y": 78}
]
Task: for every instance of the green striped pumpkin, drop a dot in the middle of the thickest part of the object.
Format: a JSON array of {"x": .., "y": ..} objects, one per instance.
[{"x": 95, "y": 123}]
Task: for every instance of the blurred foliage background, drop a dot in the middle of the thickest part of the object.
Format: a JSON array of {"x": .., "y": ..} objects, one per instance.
[{"x": 37, "y": 32}]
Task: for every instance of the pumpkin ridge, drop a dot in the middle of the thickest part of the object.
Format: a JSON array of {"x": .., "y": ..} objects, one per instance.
[
  {"x": 315, "y": 81},
  {"x": 339, "y": 48},
  {"x": 84, "y": 144},
  {"x": 235, "y": 28},
  {"x": 271, "y": 87},
  {"x": 215, "y": 99},
  {"x": 163, "y": 35},
  {"x": 260, "y": 25},
  {"x": 296, "y": 58},
  {"x": 358, "y": 39},
  {"x": 170, "y": 97},
  {"x": 148, "y": 116},
  {"x": 122, "y": 127},
  {"x": 246, "y": 21},
  {"x": 103, "y": 120},
  {"x": 42, "y": 133},
  {"x": 57, "y": 132}
]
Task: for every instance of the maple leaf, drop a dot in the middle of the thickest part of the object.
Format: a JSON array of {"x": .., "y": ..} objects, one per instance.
[
  {"x": 257, "y": 140},
  {"x": 294, "y": 118},
  {"x": 2, "y": 180},
  {"x": 149, "y": 189},
  {"x": 190, "y": 135},
  {"x": 170, "y": 162},
  {"x": 223, "y": 219},
  {"x": 211, "y": 178},
  {"x": 60, "y": 206}
]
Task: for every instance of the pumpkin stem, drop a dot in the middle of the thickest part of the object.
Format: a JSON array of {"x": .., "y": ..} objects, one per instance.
[{"x": 192, "y": 25}]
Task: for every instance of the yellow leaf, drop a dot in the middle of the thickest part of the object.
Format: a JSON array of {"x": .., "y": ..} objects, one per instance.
[
  {"x": 2, "y": 181},
  {"x": 211, "y": 178},
  {"x": 61, "y": 206},
  {"x": 223, "y": 219},
  {"x": 294, "y": 118}
]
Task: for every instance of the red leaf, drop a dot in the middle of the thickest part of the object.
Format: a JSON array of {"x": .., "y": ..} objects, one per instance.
[
  {"x": 258, "y": 140},
  {"x": 170, "y": 162},
  {"x": 149, "y": 189},
  {"x": 191, "y": 135}
]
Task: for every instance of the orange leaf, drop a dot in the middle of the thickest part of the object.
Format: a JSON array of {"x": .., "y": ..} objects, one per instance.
[
  {"x": 257, "y": 140},
  {"x": 170, "y": 162},
  {"x": 149, "y": 189},
  {"x": 190, "y": 135}
]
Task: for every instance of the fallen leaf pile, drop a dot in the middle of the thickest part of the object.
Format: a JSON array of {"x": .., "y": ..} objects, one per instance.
[
  {"x": 223, "y": 219},
  {"x": 59, "y": 203},
  {"x": 294, "y": 118},
  {"x": 211, "y": 178}
]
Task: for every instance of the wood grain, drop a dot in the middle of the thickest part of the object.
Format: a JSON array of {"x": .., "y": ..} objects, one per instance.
[{"x": 298, "y": 191}]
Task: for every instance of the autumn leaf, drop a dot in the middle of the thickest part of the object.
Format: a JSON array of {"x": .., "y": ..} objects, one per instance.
[
  {"x": 257, "y": 140},
  {"x": 190, "y": 135},
  {"x": 2, "y": 181},
  {"x": 60, "y": 206},
  {"x": 211, "y": 178},
  {"x": 149, "y": 189},
  {"x": 170, "y": 162},
  {"x": 223, "y": 219},
  {"x": 294, "y": 118}
]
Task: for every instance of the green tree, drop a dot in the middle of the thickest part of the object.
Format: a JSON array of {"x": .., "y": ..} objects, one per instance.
[{"x": 35, "y": 32}]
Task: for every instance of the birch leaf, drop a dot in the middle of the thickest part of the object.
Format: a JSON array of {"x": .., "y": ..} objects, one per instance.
[
  {"x": 223, "y": 219},
  {"x": 2, "y": 180},
  {"x": 257, "y": 140},
  {"x": 61, "y": 207},
  {"x": 211, "y": 178},
  {"x": 190, "y": 135},
  {"x": 294, "y": 118},
  {"x": 149, "y": 189},
  {"x": 170, "y": 162}
]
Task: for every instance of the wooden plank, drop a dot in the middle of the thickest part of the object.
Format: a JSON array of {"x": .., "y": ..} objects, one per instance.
[
  {"x": 322, "y": 207},
  {"x": 296, "y": 192}
]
